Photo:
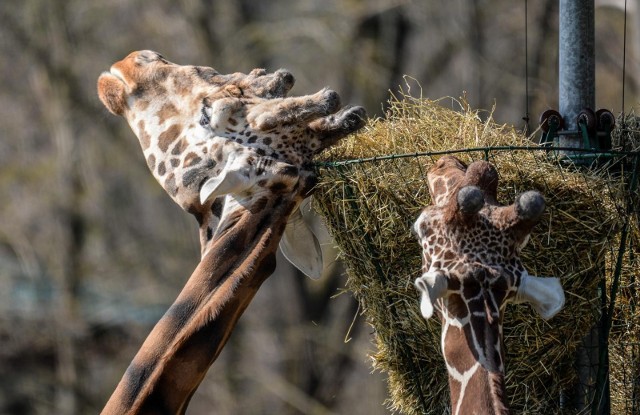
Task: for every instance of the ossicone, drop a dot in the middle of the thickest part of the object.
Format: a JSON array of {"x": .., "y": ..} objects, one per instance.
[{"x": 470, "y": 200}]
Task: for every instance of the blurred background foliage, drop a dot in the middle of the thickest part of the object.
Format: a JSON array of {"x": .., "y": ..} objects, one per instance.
[{"x": 91, "y": 249}]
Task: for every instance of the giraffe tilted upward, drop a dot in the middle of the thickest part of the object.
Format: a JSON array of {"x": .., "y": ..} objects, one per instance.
[
  {"x": 236, "y": 153},
  {"x": 471, "y": 270}
]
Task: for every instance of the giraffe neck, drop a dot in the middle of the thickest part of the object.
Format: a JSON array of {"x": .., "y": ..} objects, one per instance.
[
  {"x": 472, "y": 351},
  {"x": 176, "y": 355}
]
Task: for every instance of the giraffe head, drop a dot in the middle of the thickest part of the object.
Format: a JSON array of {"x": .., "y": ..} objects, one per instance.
[
  {"x": 472, "y": 269},
  {"x": 209, "y": 138}
]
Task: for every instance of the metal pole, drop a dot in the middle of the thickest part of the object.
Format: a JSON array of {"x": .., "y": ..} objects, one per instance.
[
  {"x": 577, "y": 91},
  {"x": 577, "y": 64}
]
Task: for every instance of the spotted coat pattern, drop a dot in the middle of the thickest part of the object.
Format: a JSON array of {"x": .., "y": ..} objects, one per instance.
[
  {"x": 241, "y": 133},
  {"x": 471, "y": 270},
  {"x": 190, "y": 120}
]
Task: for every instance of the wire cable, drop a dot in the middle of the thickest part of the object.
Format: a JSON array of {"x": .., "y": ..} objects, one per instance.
[
  {"x": 624, "y": 65},
  {"x": 526, "y": 69}
]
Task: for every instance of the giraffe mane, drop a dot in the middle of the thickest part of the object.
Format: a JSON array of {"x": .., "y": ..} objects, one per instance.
[{"x": 497, "y": 387}]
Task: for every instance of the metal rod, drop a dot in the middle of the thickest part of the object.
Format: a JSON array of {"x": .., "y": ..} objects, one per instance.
[{"x": 572, "y": 150}]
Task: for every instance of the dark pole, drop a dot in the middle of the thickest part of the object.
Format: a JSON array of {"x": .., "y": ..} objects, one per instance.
[{"x": 577, "y": 64}]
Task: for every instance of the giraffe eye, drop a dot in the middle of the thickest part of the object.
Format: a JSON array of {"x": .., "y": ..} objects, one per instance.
[{"x": 205, "y": 118}]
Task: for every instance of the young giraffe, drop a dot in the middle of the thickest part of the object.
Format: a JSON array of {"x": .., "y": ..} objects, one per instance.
[
  {"x": 235, "y": 153},
  {"x": 471, "y": 270}
]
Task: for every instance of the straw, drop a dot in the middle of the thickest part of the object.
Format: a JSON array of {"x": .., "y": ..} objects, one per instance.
[{"x": 372, "y": 188}]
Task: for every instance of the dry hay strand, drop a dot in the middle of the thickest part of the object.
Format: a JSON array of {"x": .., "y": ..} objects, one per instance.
[
  {"x": 626, "y": 135},
  {"x": 370, "y": 205},
  {"x": 624, "y": 342}
]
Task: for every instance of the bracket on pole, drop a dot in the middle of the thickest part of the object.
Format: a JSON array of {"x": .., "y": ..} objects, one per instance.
[{"x": 592, "y": 129}]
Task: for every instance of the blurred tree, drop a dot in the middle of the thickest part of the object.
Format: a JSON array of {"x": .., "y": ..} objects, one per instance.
[
  {"x": 101, "y": 251},
  {"x": 51, "y": 83}
]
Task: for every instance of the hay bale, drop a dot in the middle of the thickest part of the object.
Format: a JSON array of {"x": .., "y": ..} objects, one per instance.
[{"x": 369, "y": 206}]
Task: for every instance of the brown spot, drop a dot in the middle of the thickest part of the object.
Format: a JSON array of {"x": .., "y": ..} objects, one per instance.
[
  {"x": 500, "y": 285},
  {"x": 161, "y": 169},
  {"x": 199, "y": 101},
  {"x": 195, "y": 211},
  {"x": 232, "y": 121},
  {"x": 181, "y": 83},
  {"x": 167, "y": 111},
  {"x": 170, "y": 185},
  {"x": 143, "y": 136},
  {"x": 151, "y": 162},
  {"x": 191, "y": 159},
  {"x": 216, "y": 207},
  {"x": 471, "y": 289},
  {"x": 168, "y": 137},
  {"x": 179, "y": 147},
  {"x": 457, "y": 351},
  {"x": 454, "y": 284},
  {"x": 460, "y": 268},
  {"x": 175, "y": 162}
]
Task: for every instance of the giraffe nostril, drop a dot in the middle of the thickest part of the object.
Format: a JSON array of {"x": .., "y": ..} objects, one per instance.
[{"x": 205, "y": 119}]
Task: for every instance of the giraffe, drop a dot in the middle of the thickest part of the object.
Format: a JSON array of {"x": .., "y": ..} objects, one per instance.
[
  {"x": 236, "y": 153},
  {"x": 471, "y": 270}
]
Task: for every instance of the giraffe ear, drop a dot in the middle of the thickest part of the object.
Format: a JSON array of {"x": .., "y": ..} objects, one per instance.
[
  {"x": 225, "y": 183},
  {"x": 432, "y": 285},
  {"x": 301, "y": 247},
  {"x": 545, "y": 295},
  {"x": 234, "y": 178}
]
